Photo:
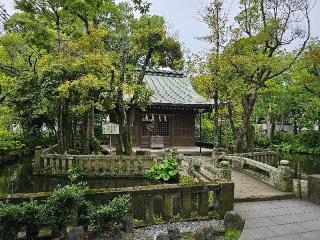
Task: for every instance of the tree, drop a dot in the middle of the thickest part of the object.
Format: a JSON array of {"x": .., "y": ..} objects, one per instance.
[
  {"x": 255, "y": 53},
  {"x": 216, "y": 20},
  {"x": 72, "y": 59}
]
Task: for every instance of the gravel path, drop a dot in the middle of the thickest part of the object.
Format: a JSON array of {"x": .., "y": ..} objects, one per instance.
[{"x": 148, "y": 233}]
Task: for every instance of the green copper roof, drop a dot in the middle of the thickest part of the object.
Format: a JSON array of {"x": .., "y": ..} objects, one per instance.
[{"x": 173, "y": 88}]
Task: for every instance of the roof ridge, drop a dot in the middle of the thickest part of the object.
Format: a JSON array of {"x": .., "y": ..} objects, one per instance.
[{"x": 165, "y": 72}]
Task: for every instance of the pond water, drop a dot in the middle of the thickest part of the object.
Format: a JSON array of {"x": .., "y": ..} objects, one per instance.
[{"x": 17, "y": 178}]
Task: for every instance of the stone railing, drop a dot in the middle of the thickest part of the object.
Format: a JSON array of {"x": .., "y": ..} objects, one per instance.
[
  {"x": 99, "y": 165},
  {"x": 267, "y": 157},
  {"x": 278, "y": 177},
  {"x": 168, "y": 202},
  {"x": 204, "y": 169}
]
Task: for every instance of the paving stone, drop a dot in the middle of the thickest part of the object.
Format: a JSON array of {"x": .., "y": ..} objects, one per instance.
[
  {"x": 315, "y": 235},
  {"x": 288, "y": 237},
  {"x": 280, "y": 220},
  {"x": 257, "y": 233},
  {"x": 286, "y": 229},
  {"x": 311, "y": 225}
]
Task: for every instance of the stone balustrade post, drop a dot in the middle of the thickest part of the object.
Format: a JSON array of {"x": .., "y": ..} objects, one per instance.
[
  {"x": 204, "y": 202},
  {"x": 37, "y": 159},
  {"x": 148, "y": 209},
  {"x": 284, "y": 177},
  {"x": 186, "y": 205},
  {"x": 168, "y": 207},
  {"x": 225, "y": 170},
  {"x": 314, "y": 188},
  {"x": 226, "y": 198}
]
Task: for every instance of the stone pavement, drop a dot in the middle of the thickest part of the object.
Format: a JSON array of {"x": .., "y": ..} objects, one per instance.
[
  {"x": 280, "y": 220},
  {"x": 249, "y": 189}
]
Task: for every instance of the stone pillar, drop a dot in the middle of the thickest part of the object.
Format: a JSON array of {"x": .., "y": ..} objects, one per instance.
[
  {"x": 37, "y": 159},
  {"x": 224, "y": 170},
  {"x": 168, "y": 207},
  {"x": 314, "y": 188},
  {"x": 204, "y": 203},
  {"x": 148, "y": 209},
  {"x": 304, "y": 189},
  {"x": 284, "y": 177},
  {"x": 226, "y": 198},
  {"x": 186, "y": 205},
  {"x": 297, "y": 188}
]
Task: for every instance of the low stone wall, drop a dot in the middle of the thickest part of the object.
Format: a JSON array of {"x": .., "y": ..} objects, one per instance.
[
  {"x": 168, "y": 201},
  {"x": 280, "y": 177},
  {"x": 97, "y": 165}
]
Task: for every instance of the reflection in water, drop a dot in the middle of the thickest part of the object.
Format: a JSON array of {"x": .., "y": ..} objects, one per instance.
[{"x": 17, "y": 178}]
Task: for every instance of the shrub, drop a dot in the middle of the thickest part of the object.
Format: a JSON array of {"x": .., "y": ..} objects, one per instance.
[
  {"x": 112, "y": 216},
  {"x": 166, "y": 170},
  {"x": 11, "y": 220},
  {"x": 62, "y": 206},
  {"x": 261, "y": 141},
  {"x": 307, "y": 142},
  {"x": 32, "y": 218},
  {"x": 74, "y": 173}
]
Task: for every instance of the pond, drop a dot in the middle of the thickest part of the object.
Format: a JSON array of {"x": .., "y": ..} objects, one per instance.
[
  {"x": 306, "y": 164},
  {"x": 17, "y": 178}
]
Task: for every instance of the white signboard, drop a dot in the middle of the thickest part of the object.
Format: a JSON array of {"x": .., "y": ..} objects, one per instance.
[{"x": 110, "y": 129}]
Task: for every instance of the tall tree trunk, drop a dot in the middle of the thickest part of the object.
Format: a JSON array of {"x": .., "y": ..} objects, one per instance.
[
  {"x": 231, "y": 120},
  {"x": 129, "y": 130},
  {"x": 268, "y": 123},
  {"x": 61, "y": 143},
  {"x": 216, "y": 119},
  {"x": 245, "y": 136}
]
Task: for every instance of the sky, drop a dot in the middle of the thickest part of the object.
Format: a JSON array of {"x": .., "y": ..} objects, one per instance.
[{"x": 183, "y": 19}]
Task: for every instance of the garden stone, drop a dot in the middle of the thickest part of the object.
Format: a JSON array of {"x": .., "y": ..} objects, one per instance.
[
  {"x": 209, "y": 231},
  {"x": 76, "y": 234},
  {"x": 128, "y": 227},
  {"x": 233, "y": 220},
  {"x": 162, "y": 236},
  {"x": 174, "y": 233}
]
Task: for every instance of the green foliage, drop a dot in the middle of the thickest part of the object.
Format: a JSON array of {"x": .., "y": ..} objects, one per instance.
[
  {"x": 33, "y": 217},
  {"x": 166, "y": 170},
  {"x": 113, "y": 215},
  {"x": 232, "y": 234},
  {"x": 11, "y": 219},
  {"x": 61, "y": 206},
  {"x": 10, "y": 143},
  {"x": 74, "y": 173},
  {"x": 186, "y": 180},
  {"x": 307, "y": 142},
  {"x": 261, "y": 141}
]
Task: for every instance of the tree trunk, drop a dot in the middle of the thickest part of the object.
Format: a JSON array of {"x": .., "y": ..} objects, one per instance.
[
  {"x": 61, "y": 143},
  {"x": 129, "y": 130},
  {"x": 121, "y": 121},
  {"x": 245, "y": 136},
  {"x": 216, "y": 120},
  {"x": 231, "y": 120},
  {"x": 268, "y": 123}
]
